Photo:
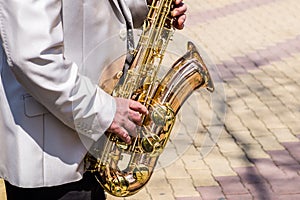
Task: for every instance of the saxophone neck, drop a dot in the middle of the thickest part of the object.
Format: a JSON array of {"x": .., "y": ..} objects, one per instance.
[
  {"x": 146, "y": 59},
  {"x": 160, "y": 13}
]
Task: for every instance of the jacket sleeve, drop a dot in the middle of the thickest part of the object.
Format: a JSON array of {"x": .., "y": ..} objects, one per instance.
[
  {"x": 32, "y": 36},
  {"x": 139, "y": 10}
]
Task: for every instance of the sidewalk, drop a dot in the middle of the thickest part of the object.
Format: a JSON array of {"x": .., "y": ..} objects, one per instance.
[{"x": 255, "y": 45}]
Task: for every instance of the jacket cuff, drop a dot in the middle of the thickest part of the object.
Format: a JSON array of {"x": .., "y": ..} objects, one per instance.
[{"x": 96, "y": 125}]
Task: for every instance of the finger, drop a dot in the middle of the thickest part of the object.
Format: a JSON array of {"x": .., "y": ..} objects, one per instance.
[
  {"x": 178, "y": 2},
  {"x": 130, "y": 128},
  {"x": 179, "y": 9},
  {"x": 138, "y": 107},
  {"x": 179, "y": 22},
  {"x": 135, "y": 117},
  {"x": 123, "y": 134},
  {"x": 120, "y": 132}
]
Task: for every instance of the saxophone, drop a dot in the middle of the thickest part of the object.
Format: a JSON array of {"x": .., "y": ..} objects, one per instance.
[{"x": 123, "y": 169}]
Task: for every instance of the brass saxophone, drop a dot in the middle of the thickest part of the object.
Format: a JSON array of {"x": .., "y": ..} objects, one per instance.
[{"x": 124, "y": 169}]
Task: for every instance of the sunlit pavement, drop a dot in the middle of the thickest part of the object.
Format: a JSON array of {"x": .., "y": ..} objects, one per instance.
[{"x": 255, "y": 47}]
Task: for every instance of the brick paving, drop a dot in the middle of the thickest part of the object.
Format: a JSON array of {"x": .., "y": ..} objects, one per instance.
[
  {"x": 247, "y": 145},
  {"x": 255, "y": 46}
]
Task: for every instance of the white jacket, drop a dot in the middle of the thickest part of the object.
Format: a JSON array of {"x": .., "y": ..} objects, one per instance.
[{"x": 52, "y": 55}]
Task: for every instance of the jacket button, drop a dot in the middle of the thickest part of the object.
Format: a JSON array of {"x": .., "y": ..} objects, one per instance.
[{"x": 123, "y": 33}]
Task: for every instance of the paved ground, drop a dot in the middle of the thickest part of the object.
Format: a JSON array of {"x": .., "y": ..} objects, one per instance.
[
  {"x": 255, "y": 45},
  {"x": 253, "y": 116}
]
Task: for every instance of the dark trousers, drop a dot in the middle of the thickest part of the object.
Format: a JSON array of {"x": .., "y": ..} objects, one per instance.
[{"x": 85, "y": 189}]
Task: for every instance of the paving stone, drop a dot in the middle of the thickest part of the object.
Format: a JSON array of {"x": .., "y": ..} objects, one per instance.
[
  {"x": 261, "y": 191},
  {"x": 202, "y": 177},
  {"x": 225, "y": 73},
  {"x": 282, "y": 157},
  {"x": 286, "y": 186},
  {"x": 244, "y": 61},
  {"x": 188, "y": 198},
  {"x": 231, "y": 185},
  {"x": 199, "y": 139},
  {"x": 269, "y": 143},
  {"x": 293, "y": 125},
  {"x": 218, "y": 164},
  {"x": 267, "y": 169},
  {"x": 293, "y": 148},
  {"x": 158, "y": 180},
  {"x": 211, "y": 193},
  {"x": 258, "y": 59},
  {"x": 243, "y": 137},
  {"x": 249, "y": 175},
  {"x": 260, "y": 133},
  {"x": 276, "y": 106},
  {"x": 270, "y": 120},
  {"x": 291, "y": 171},
  {"x": 161, "y": 193},
  {"x": 176, "y": 171},
  {"x": 183, "y": 188},
  {"x": 284, "y": 135},
  {"x": 192, "y": 150},
  {"x": 228, "y": 145},
  {"x": 251, "y": 122},
  {"x": 288, "y": 196},
  {"x": 193, "y": 162},
  {"x": 255, "y": 103},
  {"x": 254, "y": 151},
  {"x": 237, "y": 159},
  {"x": 239, "y": 197},
  {"x": 233, "y": 123},
  {"x": 225, "y": 134}
]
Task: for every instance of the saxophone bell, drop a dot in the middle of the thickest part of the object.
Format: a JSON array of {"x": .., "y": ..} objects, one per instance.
[{"x": 187, "y": 74}]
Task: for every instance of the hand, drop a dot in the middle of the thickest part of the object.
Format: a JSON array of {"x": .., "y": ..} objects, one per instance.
[
  {"x": 179, "y": 14},
  {"x": 128, "y": 115}
]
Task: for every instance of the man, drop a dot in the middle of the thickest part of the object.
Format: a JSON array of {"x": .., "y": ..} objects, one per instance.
[{"x": 52, "y": 108}]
